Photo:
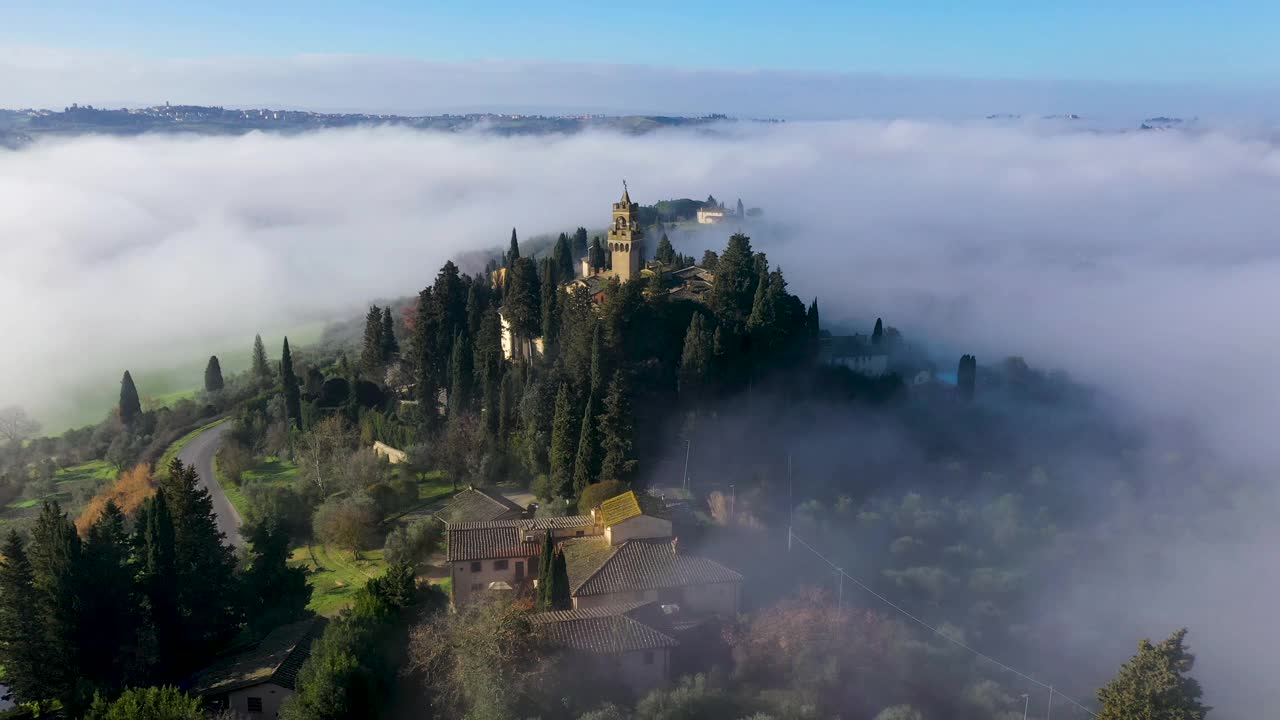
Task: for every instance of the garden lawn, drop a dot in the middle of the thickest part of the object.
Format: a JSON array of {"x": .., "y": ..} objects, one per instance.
[{"x": 334, "y": 575}]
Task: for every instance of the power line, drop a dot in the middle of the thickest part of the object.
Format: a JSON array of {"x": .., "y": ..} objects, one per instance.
[{"x": 1052, "y": 693}]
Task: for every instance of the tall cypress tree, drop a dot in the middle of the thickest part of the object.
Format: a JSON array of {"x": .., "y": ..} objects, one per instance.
[
  {"x": 461, "y": 375},
  {"x": 564, "y": 440},
  {"x": 371, "y": 350},
  {"x": 736, "y": 277},
  {"x": 695, "y": 360},
  {"x": 207, "y": 591},
  {"x": 546, "y": 567},
  {"x": 616, "y": 431},
  {"x": 289, "y": 386},
  {"x": 559, "y": 597},
  {"x": 513, "y": 252},
  {"x": 55, "y": 556},
  {"x": 562, "y": 256},
  {"x": 213, "y": 375},
  {"x": 877, "y": 334},
  {"x": 109, "y": 610},
  {"x": 522, "y": 309},
  {"x": 159, "y": 575},
  {"x": 130, "y": 405},
  {"x": 579, "y": 243},
  {"x": 21, "y": 637},
  {"x": 550, "y": 306},
  {"x": 966, "y": 376},
  {"x": 261, "y": 368},
  {"x": 586, "y": 463},
  {"x": 389, "y": 344},
  {"x": 507, "y": 406},
  {"x": 597, "y": 359},
  {"x": 665, "y": 254}
]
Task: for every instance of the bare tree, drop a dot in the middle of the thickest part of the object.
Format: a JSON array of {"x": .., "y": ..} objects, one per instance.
[
  {"x": 322, "y": 448},
  {"x": 16, "y": 425}
]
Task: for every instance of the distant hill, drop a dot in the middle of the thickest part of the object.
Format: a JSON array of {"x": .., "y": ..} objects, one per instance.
[{"x": 19, "y": 127}]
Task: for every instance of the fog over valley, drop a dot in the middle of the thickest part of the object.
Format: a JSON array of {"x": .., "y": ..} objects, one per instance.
[{"x": 1141, "y": 264}]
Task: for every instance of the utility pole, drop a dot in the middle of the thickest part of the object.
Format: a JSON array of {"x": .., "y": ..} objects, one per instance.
[
  {"x": 1026, "y": 706},
  {"x": 840, "y": 591},
  {"x": 733, "y": 501},
  {"x": 791, "y": 505},
  {"x": 1049, "y": 715},
  {"x": 688, "y": 448}
]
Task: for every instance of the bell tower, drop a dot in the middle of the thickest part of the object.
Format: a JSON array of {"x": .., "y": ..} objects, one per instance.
[{"x": 625, "y": 237}]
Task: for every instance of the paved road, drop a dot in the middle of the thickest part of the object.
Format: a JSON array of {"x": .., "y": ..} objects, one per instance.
[{"x": 199, "y": 453}]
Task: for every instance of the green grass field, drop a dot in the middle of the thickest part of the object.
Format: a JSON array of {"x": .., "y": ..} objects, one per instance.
[
  {"x": 92, "y": 470},
  {"x": 335, "y": 575},
  {"x": 72, "y": 484}
]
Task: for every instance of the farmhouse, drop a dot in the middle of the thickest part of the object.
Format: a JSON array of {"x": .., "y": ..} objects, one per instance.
[
  {"x": 254, "y": 683},
  {"x": 631, "y": 642}
]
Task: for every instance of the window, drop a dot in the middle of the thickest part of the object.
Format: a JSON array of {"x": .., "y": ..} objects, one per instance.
[
  {"x": 477, "y": 587},
  {"x": 475, "y": 566},
  {"x": 648, "y": 657},
  {"x": 519, "y": 569},
  {"x": 581, "y": 533},
  {"x": 255, "y": 704},
  {"x": 499, "y": 564}
]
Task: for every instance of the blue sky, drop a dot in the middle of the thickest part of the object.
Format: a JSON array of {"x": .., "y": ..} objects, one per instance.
[{"x": 1223, "y": 44}]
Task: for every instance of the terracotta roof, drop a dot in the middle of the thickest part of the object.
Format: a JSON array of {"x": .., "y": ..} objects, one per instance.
[
  {"x": 607, "y": 629},
  {"x": 557, "y": 523},
  {"x": 276, "y": 659},
  {"x": 597, "y": 568},
  {"x": 473, "y": 505},
  {"x": 490, "y": 541}
]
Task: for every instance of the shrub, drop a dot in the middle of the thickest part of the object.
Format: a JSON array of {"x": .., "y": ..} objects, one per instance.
[
  {"x": 154, "y": 703},
  {"x": 597, "y": 493},
  {"x": 412, "y": 544},
  {"x": 346, "y": 523},
  {"x": 127, "y": 492}
]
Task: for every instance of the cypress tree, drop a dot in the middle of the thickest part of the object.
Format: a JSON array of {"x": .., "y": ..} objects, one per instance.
[
  {"x": 665, "y": 254},
  {"x": 736, "y": 278},
  {"x": 615, "y": 431},
  {"x": 546, "y": 568},
  {"x": 21, "y": 638},
  {"x": 289, "y": 387},
  {"x": 55, "y": 556},
  {"x": 562, "y": 256},
  {"x": 110, "y": 609},
  {"x": 579, "y": 242},
  {"x": 513, "y": 252},
  {"x": 597, "y": 359},
  {"x": 213, "y": 375},
  {"x": 207, "y": 590},
  {"x": 261, "y": 368},
  {"x": 130, "y": 405},
  {"x": 550, "y": 307},
  {"x": 507, "y": 406},
  {"x": 564, "y": 440},
  {"x": 389, "y": 345},
  {"x": 586, "y": 464},
  {"x": 522, "y": 309},
  {"x": 559, "y": 597},
  {"x": 740, "y": 211},
  {"x": 461, "y": 375},
  {"x": 371, "y": 350},
  {"x": 1155, "y": 683},
  {"x": 811, "y": 322},
  {"x": 160, "y": 584},
  {"x": 966, "y": 376},
  {"x": 695, "y": 360}
]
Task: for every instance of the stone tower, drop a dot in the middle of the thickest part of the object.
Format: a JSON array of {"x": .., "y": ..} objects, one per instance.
[{"x": 625, "y": 237}]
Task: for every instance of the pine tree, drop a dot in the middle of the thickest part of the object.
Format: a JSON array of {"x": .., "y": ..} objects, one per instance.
[
  {"x": 207, "y": 591},
  {"x": 21, "y": 638},
  {"x": 564, "y": 441},
  {"x": 261, "y": 368},
  {"x": 877, "y": 334},
  {"x": 389, "y": 345},
  {"x": 586, "y": 463},
  {"x": 562, "y": 257},
  {"x": 371, "y": 349},
  {"x": 289, "y": 387},
  {"x": 665, "y": 254},
  {"x": 461, "y": 375},
  {"x": 55, "y": 556},
  {"x": 213, "y": 375},
  {"x": 695, "y": 360},
  {"x": 130, "y": 405},
  {"x": 710, "y": 260},
  {"x": 559, "y": 597},
  {"x": 546, "y": 569},
  {"x": 513, "y": 252},
  {"x": 1155, "y": 684},
  {"x": 277, "y": 593},
  {"x": 616, "y": 431}
]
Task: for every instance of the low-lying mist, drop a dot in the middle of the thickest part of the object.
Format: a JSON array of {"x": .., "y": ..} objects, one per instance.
[{"x": 1142, "y": 263}]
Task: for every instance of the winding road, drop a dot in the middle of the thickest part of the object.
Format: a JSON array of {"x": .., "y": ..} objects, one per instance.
[{"x": 199, "y": 454}]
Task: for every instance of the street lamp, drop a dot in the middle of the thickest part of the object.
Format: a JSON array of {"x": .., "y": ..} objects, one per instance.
[{"x": 733, "y": 501}]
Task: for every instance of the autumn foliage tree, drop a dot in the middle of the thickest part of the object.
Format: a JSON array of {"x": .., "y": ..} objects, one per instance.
[{"x": 128, "y": 492}]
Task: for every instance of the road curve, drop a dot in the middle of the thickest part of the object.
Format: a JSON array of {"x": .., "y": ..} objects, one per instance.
[{"x": 199, "y": 454}]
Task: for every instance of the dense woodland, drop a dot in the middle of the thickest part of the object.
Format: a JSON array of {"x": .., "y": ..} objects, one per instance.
[{"x": 957, "y": 501}]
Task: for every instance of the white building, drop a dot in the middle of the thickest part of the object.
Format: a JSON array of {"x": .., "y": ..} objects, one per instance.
[{"x": 254, "y": 683}]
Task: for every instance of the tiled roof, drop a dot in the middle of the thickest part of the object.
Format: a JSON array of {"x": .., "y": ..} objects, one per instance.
[
  {"x": 557, "y": 523},
  {"x": 597, "y": 568},
  {"x": 472, "y": 505},
  {"x": 608, "y": 629},
  {"x": 276, "y": 659},
  {"x": 492, "y": 541}
]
